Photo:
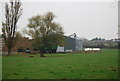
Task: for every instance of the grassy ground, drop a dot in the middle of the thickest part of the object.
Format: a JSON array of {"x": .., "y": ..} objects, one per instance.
[
  {"x": 0, "y": 67},
  {"x": 102, "y": 65}
]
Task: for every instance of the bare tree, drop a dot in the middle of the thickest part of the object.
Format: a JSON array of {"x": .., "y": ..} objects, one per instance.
[{"x": 13, "y": 11}]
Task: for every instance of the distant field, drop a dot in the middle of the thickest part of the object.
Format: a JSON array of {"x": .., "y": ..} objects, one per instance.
[{"x": 102, "y": 65}]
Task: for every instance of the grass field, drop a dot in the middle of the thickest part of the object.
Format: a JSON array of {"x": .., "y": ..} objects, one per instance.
[
  {"x": 0, "y": 67},
  {"x": 102, "y": 65}
]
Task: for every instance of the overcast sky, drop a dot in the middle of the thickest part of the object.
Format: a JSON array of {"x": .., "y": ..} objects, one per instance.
[{"x": 86, "y": 19}]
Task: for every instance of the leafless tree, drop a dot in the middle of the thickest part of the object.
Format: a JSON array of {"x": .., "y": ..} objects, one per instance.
[{"x": 13, "y": 11}]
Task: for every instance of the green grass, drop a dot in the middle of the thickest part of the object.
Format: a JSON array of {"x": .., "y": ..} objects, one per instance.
[
  {"x": 102, "y": 65},
  {"x": 0, "y": 67}
]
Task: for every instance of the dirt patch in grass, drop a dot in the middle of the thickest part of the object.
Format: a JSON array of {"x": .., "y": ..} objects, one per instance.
[
  {"x": 31, "y": 56},
  {"x": 105, "y": 67}
]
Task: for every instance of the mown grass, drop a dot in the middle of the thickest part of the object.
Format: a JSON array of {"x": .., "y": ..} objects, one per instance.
[
  {"x": 0, "y": 67},
  {"x": 101, "y": 65}
]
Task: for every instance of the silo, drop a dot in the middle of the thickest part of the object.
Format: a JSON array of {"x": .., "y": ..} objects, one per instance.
[
  {"x": 72, "y": 43},
  {"x": 78, "y": 44}
]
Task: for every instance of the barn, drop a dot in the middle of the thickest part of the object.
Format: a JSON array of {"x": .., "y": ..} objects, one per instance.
[{"x": 72, "y": 43}]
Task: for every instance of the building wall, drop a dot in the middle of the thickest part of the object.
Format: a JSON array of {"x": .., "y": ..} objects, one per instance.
[
  {"x": 78, "y": 45},
  {"x": 72, "y": 44}
]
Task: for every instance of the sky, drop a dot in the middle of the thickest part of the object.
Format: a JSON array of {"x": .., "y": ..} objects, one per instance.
[
  {"x": 86, "y": 19},
  {"x": 119, "y": 13}
]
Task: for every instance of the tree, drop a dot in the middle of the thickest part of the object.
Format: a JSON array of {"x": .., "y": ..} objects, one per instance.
[
  {"x": 0, "y": 34},
  {"x": 13, "y": 11},
  {"x": 45, "y": 32}
]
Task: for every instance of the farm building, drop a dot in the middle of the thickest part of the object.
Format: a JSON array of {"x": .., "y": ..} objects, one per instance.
[{"x": 72, "y": 43}]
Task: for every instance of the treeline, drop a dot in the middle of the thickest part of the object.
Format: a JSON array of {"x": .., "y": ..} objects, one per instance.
[{"x": 101, "y": 43}]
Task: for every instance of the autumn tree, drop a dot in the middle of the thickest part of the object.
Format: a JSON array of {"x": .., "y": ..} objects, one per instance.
[
  {"x": 13, "y": 12},
  {"x": 45, "y": 32}
]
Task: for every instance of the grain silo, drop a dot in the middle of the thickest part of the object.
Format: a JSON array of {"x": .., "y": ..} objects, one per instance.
[{"x": 73, "y": 43}]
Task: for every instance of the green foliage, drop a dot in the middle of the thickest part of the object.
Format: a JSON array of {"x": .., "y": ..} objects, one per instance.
[
  {"x": 45, "y": 32},
  {"x": 101, "y": 65}
]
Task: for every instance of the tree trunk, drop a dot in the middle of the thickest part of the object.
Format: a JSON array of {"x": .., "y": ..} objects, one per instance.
[
  {"x": 42, "y": 53},
  {"x": 9, "y": 52}
]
